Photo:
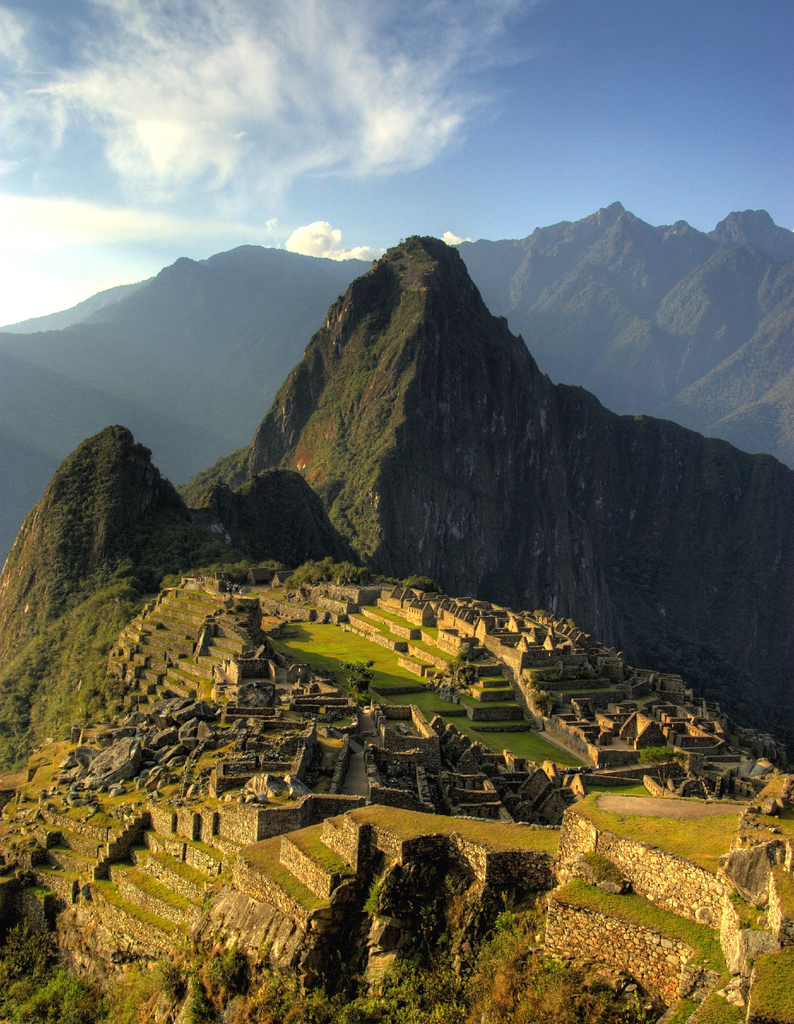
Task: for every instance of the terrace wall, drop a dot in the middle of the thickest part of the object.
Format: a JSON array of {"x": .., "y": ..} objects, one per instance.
[
  {"x": 656, "y": 961},
  {"x": 663, "y": 878}
]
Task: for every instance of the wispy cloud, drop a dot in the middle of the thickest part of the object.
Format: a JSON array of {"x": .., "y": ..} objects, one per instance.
[
  {"x": 233, "y": 94},
  {"x": 35, "y": 224},
  {"x": 320, "y": 239}
]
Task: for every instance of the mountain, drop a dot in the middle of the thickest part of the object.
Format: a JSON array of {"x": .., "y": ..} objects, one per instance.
[
  {"x": 188, "y": 360},
  {"x": 107, "y": 529},
  {"x": 75, "y": 314},
  {"x": 437, "y": 446},
  {"x": 659, "y": 320}
]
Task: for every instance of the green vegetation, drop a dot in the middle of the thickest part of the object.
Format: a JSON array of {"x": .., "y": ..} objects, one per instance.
[
  {"x": 704, "y": 941},
  {"x": 663, "y": 759},
  {"x": 772, "y": 997},
  {"x": 683, "y": 1011},
  {"x": 264, "y": 857},
  {"x": 700, "y": 840},
  {"x": 97, "y": 542},
  {"x": 34, "y": 989},
  {"x": 359, "y": 678},
  {"x": 309, "y": 841},
  {"x": 717, "y": 1010},
  {"x": 327, "y": 570},
  {"x": 329, "y": 647},
  {"x": 497, "y": 835},
  {"x": 603, "y": 869}
]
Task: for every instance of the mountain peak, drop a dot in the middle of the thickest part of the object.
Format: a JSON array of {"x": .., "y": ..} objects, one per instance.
[{"x": 756, "y": 228}]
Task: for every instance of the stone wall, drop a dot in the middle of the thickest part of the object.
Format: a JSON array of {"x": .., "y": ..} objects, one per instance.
[
  {"x": 83, "y": 828},
  {"x": 663, "y": 878},
  {"x": 780, "y": 910},
  {"x": 341, "y": 766},
  {"x": 143, "y": 938},
  {"x": 656, "y": 961},
  {"x": 260, "y": 887}
]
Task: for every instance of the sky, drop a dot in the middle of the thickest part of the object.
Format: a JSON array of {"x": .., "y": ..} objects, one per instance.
[{"x": 138, "y": 131}]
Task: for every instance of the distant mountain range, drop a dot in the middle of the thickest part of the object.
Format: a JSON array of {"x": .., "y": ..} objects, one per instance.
[
  {"x": 668, "y": 321},
  {"x": 691, "y": 326},
  {"x": 188, "y": 360}
]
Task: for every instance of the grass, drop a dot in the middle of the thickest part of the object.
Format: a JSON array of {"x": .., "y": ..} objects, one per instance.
[
  {"x": 496, "y": 835},
  {"x": 111, "y": 895},
  {"x": 784, "y": 885},
  {"x": 264, "y": 858},
  {"x": 309, "y": 841},
  {"x": 327, "y": 647},
  {"x": 716, "y": 1010},
  {"x": 627, "y": 790},
  {"x": 146, "y": 883},
  {"x": 771, "y": 996},
  {"x": 700, "y": 841},
  {"x": 683, "y": 1011},
  {"x": 704, "y": 941}
]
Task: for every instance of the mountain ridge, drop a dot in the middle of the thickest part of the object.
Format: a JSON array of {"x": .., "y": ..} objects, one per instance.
[{"x": 439, "y": 447}]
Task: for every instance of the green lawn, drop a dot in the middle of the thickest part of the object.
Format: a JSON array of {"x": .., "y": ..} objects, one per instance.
[
  {"x": 700, "y": 840},
  {"x": 327, "y": 646}
]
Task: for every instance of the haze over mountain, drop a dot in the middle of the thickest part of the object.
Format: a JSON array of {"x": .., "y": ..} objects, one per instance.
[
  {"x": 671, "y": 321},
  {"x": 438, "y": 447},
  {"x": 188, "y": 360},
  {"x": 662, "y": 320}
]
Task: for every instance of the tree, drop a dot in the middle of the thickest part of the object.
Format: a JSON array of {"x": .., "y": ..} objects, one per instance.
[
  {"x": 461, "y": 674},
  {"x": 359, "y": 677},
  {"x": 663, "y": 759}
]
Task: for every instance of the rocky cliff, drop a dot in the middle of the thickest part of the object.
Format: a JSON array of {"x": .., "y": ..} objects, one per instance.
[{"x": 437, "y": 446}]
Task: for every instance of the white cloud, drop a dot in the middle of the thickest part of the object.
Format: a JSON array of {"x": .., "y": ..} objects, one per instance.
[
  {"x": 229, "y": 93},
  {"x": 320, "y": 239},
  {"x": 451, "y": 239}
]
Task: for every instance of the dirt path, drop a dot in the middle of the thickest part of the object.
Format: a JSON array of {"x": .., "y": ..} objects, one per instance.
[{"x": 661, "y": 807}]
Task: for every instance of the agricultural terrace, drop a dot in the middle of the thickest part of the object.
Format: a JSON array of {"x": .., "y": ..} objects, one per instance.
[
  {"x": 700, "y": 840},
  {"x": 325, "y": 646}
]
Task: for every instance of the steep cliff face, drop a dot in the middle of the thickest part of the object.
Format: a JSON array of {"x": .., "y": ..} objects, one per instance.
[{"x": 437, "y": 446}]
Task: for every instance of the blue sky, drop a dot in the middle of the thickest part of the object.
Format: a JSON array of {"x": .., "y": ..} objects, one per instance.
[{"x": 138, "y": 131}]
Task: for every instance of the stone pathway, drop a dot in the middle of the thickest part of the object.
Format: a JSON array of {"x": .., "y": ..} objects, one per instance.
[
  {"x": 355, "y": 783},
  {"x": 661, "y": 807}
]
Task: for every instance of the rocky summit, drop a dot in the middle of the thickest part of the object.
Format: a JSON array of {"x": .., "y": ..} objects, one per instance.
[{"x": 437, "y": 446}]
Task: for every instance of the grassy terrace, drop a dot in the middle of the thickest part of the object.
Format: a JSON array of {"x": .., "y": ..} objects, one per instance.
[
  {"x": 264, "y": 858},
  {"x": 309, "y": 841},
  {"x": 111, "y": 895},
  {"x": 148, "y": 884},
  {"x": 494, "y": 834},
  {"x": 325, "y": 646},
  {"x": 771, "y": 996},
  {"x": 636, "y": 910},
  {"x": 699, "y": 840},
  {"x": 717, "y": 1010},
  {"x": 179, "y": 867}
]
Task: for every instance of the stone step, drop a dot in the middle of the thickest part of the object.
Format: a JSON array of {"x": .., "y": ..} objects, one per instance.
[
  {"x": 495, "y": 682},
  {"x": 311, "y": 862},
  {"x": 143, "y": 890},
  {"x": 70, "y": 860},
  {"x": 129, "y": 919},
  {"x": 63, "y": 883},
  {"x": 495, "y": 713},
  {"x": 166, "y": 640},
  {"x": 179, "y": 686},
  {"x": 177, "y": 876},
  {"x": 82, "y": 845},
  {"x": 201, "y": 856},
  {"x": 492, "y": 694},
  {"x": 260, "y": 873}
]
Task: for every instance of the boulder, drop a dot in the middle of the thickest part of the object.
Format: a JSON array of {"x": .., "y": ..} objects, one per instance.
[
  {"x": 296, "y": 787},
  {"x": 200, "y": 709},
  {"x": 163, "y": 738},
  {"x": 118, "y": 762}
]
